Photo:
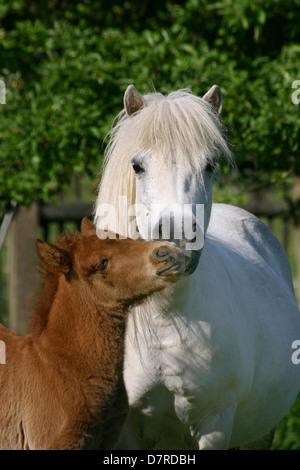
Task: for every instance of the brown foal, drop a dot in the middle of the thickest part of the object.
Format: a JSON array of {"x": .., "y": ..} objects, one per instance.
[{"x": 61, "y": 386}]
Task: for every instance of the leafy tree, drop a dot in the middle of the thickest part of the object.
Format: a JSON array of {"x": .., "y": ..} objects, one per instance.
[{"x": 66, "y": 66}]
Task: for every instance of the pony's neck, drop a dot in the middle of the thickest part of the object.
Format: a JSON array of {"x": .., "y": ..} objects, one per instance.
[
  {"x": 82, "y": 330},
  {"x": 170, "y": 300}
]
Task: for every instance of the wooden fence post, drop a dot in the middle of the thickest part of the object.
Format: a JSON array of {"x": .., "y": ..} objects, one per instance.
[{"x": 23, "y": 279}]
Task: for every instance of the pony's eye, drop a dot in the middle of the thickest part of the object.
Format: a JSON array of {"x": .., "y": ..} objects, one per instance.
[
  {"x": 209, "y": 168},
  {"x": 137, "y": 169},
  {"x": 102, "y": 265}
]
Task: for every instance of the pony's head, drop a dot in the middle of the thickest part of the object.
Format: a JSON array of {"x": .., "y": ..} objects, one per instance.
[{"x": 161, "y": 158}]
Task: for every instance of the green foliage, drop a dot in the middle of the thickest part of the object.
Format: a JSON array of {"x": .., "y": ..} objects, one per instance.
[
  {"x": 66, "y": 70},
  {"x": 66, "y": 66},
  {"x": 288, "y": 430}
]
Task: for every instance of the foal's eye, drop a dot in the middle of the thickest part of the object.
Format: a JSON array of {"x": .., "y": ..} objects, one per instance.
[
  {"x": 102, "y": 265},
  {"x": 137, "y": 169}
]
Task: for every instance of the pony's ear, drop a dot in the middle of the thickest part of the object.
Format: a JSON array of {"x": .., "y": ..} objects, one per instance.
[
  {"x": 87, "y": 226},
  {"x": 133, "y": 100},
  {"x": 214, "y": 97},
  {"x": 53, "y": 256}
]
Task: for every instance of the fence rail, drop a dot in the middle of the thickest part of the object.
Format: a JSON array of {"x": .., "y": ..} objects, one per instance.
[
  {"x": 24, "y": 228},
  {"x": 65, "y": 212},
  {"x": 75, "y": 211}
]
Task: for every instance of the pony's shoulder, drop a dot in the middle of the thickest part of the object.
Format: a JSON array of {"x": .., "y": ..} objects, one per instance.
[
  {"x": 230, "y": 212},
  {"x": 234, "y": 219}
]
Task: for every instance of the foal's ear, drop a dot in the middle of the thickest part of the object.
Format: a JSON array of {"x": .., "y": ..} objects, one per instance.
[
  {"x": 133, "y": 100},
  {"x": 87, "y": 226},
  {"x": 214, "y": 97},
  {"x": 53, "y": 256}
]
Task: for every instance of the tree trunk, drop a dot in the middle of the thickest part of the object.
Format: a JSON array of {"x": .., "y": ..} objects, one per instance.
[{"x": 23, "y": 279}]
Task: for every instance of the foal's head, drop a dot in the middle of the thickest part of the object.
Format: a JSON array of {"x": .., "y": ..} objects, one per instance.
[{"x": 114, "y": 272}]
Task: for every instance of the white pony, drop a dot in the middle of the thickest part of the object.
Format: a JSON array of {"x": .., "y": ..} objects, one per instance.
[{"x": 208, "y": 365}]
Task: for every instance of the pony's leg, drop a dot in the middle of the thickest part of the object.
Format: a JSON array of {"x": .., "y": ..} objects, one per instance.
[
  {"x": 264, "y": 443},
  {"x": 216, "y": 433},
  {"x": 131, "y": 437}
]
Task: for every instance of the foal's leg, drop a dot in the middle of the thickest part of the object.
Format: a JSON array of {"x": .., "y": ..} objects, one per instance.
[{"x": 70, "y": 437}]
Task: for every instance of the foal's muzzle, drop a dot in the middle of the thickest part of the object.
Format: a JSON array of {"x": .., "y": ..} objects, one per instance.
[
  {"x": 187, "y": 234},
  {"x": 169, "y": 259}
]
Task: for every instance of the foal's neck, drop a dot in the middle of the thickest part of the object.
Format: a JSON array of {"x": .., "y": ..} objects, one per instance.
[{"x": 82, "y": 329}]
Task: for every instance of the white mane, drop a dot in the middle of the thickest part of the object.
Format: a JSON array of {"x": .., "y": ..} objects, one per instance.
[{"x": 179, "y": 125}]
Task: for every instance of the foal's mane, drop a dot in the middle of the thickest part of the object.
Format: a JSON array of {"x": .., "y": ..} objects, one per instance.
[
  {"x": 43, "y": 299},
  {"x": 177, "y": 124}
]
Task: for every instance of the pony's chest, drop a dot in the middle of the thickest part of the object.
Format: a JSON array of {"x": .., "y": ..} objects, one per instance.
[
  {"x": 173, "y": 353},
  {"x": 185, "y": 356}
]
